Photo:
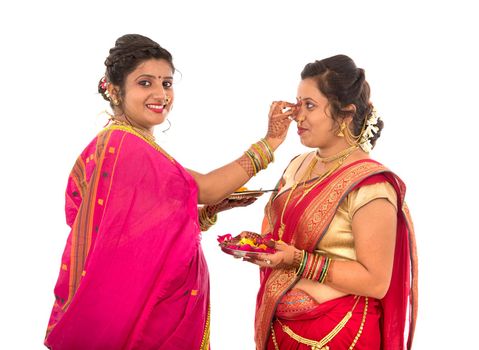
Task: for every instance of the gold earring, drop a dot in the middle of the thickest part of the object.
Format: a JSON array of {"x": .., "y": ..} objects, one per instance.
[
  {"x": 341, "y": 129},
  {"x": 115, "y": 101}
]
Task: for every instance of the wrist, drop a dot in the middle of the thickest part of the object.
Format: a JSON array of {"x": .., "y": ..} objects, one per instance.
[
  {"x": 205, "y": 220},
  {"x": 274, "y": 143},
  {"x": 297, "y": 258},
  {"x": 210, "y": 210}
]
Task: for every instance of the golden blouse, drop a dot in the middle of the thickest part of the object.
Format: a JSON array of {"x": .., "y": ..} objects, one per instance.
[{"x": 338, "y": 241}]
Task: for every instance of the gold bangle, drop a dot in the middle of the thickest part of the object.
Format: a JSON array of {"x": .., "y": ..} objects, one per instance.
[
  {"x": 263, "y": 156},
  {"x": 268, "y": 147},
  {"x": 304, "y": 257},
  {"x": 205, "y": 221}
]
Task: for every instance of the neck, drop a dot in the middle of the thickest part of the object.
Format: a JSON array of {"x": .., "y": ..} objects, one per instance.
[{"x": 329, "y": 153}]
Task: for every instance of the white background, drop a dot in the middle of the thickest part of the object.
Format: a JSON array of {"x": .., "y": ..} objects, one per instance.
[{"x": 236, "y": 57}]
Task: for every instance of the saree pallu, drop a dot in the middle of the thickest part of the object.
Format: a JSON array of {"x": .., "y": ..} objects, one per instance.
[
  {"x": 317, "y": 324},
  {"x": 306, "y": 223},
  {"x": 133, "y": 275}
]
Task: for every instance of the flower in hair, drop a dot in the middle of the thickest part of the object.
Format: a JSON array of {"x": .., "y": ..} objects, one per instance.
[
  {"x": 369, "y": 131},
  {"x": 104, "y": 86}
]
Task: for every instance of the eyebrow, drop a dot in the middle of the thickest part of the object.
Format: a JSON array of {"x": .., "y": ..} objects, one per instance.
[
  {"x": 308, "y": 98},
  {"x": 153, "y": 77}
]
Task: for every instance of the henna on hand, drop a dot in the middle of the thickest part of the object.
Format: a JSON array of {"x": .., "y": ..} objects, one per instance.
[{"x": 280, "y": 116}]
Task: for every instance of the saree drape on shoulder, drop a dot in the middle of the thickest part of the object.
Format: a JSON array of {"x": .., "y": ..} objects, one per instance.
[
  {"x": 306, "y": 223},
  {"x": 133, "y": 275}
]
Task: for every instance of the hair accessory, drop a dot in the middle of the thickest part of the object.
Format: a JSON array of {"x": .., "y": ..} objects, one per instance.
[
  {"x": 369, "y": 130},
  {"x": 104, "y": 86}
]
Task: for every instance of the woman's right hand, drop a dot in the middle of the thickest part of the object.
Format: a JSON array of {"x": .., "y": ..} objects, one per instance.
[
  {"x": 284, "y": 257},
  {"x": 281, "y": 113}
]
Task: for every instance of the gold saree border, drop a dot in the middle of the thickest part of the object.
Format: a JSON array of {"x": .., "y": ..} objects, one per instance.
[
  {"x": 205, "y": 341},
  {"x": 133, "y": 132}
]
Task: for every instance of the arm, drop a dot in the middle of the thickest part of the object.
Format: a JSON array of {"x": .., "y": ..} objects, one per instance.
[
  {"x": 374, "y": 229},
  {"x": 219, "y": 183}
]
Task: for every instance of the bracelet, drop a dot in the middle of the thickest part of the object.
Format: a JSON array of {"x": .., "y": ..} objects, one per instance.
[
  {"x": 304, "y": 258},
  {"x": 205, "y": 221},
  {"x": 313, "y": 267},
  {"x": 256, "y": 158}
]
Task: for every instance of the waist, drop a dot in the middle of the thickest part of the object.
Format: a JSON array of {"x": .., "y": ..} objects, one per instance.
[{"x": 299, "y": 304}]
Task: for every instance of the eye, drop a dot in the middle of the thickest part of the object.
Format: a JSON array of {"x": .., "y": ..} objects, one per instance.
[
  {"x": 309, "y": 105},
  {"x": 145, "y": 83},
  {"x": 167, "y": 84}
]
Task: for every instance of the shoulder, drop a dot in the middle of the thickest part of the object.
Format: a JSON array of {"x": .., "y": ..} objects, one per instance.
[{"x": 363, "y": 195}]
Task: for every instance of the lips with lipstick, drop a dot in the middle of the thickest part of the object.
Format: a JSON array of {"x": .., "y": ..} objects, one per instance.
[
  {"x": 156, "y": 107},
  {"x": 301, "y": 130}
]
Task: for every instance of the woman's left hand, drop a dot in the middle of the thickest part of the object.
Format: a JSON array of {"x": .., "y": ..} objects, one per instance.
[{"x": 283, "y": 258}]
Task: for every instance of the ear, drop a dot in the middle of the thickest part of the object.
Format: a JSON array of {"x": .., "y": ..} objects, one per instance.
[
  {"x": 350, "y": 111},
  {"x": 351, "y": 108},
  {"x": 113, "y": 90}
]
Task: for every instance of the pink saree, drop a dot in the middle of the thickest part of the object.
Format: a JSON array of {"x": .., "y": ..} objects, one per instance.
[
  {"x": 306, "y": 223},
  {"x": 133, "y": 275}
]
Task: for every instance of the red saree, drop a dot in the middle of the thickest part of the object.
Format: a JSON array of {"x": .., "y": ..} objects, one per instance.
[
  {"x": 133, "y": 275},
  {"x": 386, "y": 317}
]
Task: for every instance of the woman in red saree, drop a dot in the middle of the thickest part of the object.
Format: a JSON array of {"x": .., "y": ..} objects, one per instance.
[
  {"x": 133, "y": 275},
  {"x": 344, "y": 275}
]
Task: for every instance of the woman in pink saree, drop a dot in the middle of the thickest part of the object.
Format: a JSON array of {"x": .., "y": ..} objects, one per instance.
[
  {"x": 344, "y": 275},
  {"x": 133, "y": 275}
]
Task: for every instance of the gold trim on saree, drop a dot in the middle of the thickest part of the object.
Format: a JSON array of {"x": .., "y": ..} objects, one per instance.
[
  {"x": 132, "y": 131},
  {"x": 205, "y": 342}
]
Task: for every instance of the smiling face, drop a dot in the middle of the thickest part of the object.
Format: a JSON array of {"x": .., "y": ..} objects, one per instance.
[
  {"x": 316, "y": 127},
  {"x": 147, "y": 95}
]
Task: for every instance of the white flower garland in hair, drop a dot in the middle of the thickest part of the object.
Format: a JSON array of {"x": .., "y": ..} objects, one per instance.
[{"x": 369, "y": 131}]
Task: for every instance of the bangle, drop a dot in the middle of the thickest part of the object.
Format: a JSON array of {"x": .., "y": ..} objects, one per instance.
[
  {"x": 205, "y": 221},
  {"x": 304, "y": 259},
  {"x": 324, "y": 270},
  {"x": 256, "y": 158},
  {"x": 268, "y": 148},
  {"x": 314, "y": 267}
]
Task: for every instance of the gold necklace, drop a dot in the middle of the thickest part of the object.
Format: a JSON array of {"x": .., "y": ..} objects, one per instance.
[
  {"x": 150, "y": 139},
  {"x": 340, "y": 160},
  {"x": 325, "y": 160},
  {"x": 146, "y": 134}
]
